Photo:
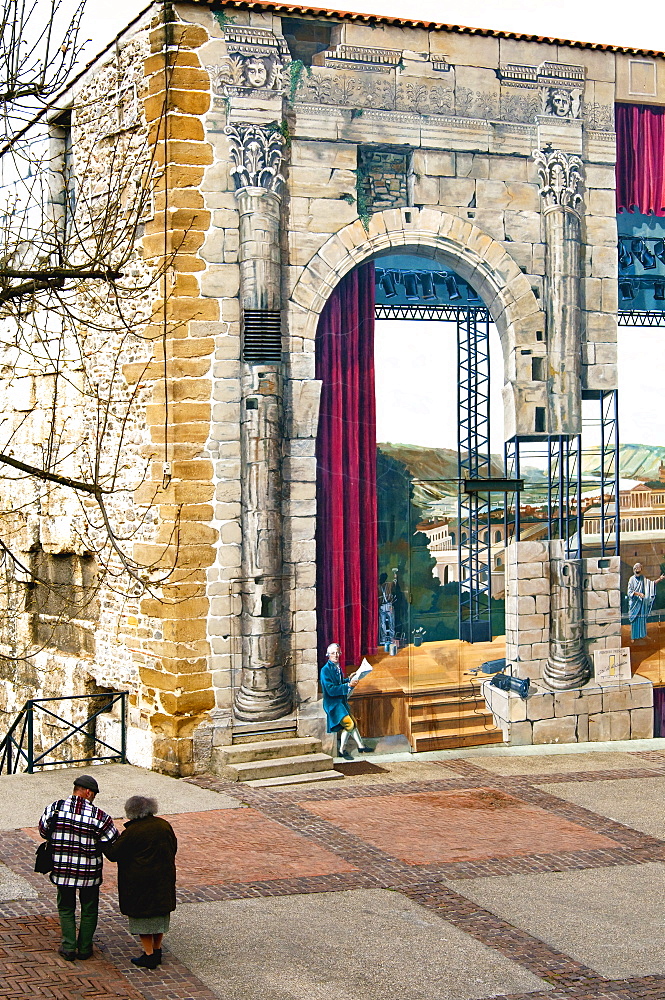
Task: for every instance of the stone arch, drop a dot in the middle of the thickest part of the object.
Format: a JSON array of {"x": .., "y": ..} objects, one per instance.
[{"x": 479, "y": 259}]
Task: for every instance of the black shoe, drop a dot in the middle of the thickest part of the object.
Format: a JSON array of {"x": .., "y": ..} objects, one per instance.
[
  {"x": 366, "y": 749},
  {"x": 83, "y": 956},
  {"x": 68, "y": 956},
  {"x": 158, "y": 955},
  {"x": 146, "y": 961},
  {"x": 345, "y": 754}
]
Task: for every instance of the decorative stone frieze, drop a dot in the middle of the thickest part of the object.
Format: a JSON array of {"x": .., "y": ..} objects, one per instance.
[
  {"x": 255, "y": 64},
  {"x": 357, "y": 57}
]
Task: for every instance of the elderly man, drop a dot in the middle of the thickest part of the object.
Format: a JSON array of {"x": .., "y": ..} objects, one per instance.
[
  {"x": 77, "y": 830},
  {"x": 336, "y": 689},
  {"x": 641, "y": 595}
]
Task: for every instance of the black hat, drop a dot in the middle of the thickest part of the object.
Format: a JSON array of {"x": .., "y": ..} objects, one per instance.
[{"x": 86, "y": 781}]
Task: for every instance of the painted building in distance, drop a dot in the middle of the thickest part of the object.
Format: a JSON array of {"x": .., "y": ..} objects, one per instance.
[{"x": 349, "y": 216}]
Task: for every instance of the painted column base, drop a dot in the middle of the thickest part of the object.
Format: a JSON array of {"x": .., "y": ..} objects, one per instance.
[{"x": 593, "y": 713}]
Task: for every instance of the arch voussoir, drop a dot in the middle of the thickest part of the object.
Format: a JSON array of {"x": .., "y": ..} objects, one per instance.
[{"x": 458, "y": 243}]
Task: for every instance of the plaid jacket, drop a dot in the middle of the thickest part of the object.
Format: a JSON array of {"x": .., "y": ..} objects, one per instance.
[{"x": 77, "y": 830}]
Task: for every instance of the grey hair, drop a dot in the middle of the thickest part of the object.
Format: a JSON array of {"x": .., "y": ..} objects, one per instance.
[{"x": 138, "y": 807}]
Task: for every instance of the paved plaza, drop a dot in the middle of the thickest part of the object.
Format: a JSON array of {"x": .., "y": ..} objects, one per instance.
[{"x": 505, "y": 873}]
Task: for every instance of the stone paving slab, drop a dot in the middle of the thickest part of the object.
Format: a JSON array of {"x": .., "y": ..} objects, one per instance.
[
  {"x": 609, "y": 919},
  {"x": 363, "y": 944},
  {"x": 13, "y": 886},
  {"x": 465, "y": 825},
  {"x": 370, "y": 772},
  {"x": 565, "y": 763},
  {"x": 24, "y": 796},
  {"x": 635, "y": 802}
]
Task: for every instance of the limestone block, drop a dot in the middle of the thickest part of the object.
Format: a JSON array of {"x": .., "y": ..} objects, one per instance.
[
  {"x": 593, "y": 600},
  {"x": 532, "y": 586},
  {"x": 641, "y": 692},
  {"x": 528, "y": 621},
  {"x": 302, "y": 491},
  {"x": 220, "y": 280},
  {"x": 534, "y": 571},
  {"x": 531, "y": 552},
  {"x": 542, "y": 604},
  {"x": 456, "y": 191},
  {"x": 600, "y": 177},
  {"x": 425, "y": 190},
  {"x": 435, "y": 163},
  {"x": 522, "y": 227},
  {"x": 305, "y": 574},
  {"x": 620, "y": 725},
  {"x": 582, "y": 728},
  {"x": 523, "y": 197},
  {"x": 529, "y": 636},
  {"x": 521, "y": 734},
  {"x": 540, "y": 705},
  {"x": 526, "y": 606},
  {"x": 641, "y": 724},
  {"x": 601, "y": 231},
  {"x": 599, "y": 728},
  {"x": 555, "y": 731},
  {"x": 304, "y": 621}
]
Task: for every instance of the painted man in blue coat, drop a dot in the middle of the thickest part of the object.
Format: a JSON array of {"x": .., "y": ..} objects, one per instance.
[{"x": 336, "y": 689}]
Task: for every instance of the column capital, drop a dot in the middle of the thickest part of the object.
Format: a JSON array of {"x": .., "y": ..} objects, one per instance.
[
  {"x": 257, "y": 154},
  {"x": 561, "y": 178}
]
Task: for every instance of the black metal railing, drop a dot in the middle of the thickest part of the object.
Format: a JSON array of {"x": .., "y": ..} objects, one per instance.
[{"x": 18, "y": 751}]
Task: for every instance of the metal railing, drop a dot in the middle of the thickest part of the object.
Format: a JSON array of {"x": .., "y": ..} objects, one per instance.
[{"x": 18, "y": 746}]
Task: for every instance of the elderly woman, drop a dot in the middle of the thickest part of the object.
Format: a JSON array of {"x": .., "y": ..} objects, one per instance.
[{"x": 145, "y": 853}]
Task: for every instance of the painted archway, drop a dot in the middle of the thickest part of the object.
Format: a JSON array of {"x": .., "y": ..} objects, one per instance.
[{"x": 480, "y": 260}]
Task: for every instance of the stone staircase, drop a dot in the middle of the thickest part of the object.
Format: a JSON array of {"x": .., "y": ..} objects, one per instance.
[
  {"x": 451, "y": 718},
  {"x": 273, "y": 756}
]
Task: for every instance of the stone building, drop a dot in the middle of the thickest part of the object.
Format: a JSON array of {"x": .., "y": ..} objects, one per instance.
[{"x": 297, "y": 146}]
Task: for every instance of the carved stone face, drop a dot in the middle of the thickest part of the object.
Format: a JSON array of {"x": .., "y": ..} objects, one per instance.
[
  {"x": 559, "y": 103},
  {"x": 256, "y": 72}
]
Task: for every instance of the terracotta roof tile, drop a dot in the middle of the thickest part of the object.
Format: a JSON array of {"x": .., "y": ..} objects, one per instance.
[{"x": 299, "y": 10}]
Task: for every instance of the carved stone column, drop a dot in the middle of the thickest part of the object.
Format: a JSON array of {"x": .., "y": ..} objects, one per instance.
[
  {"x": 561, "y": 178},
  {"x": 256, "y": 152},
  {"x": 568, "y": 664}
]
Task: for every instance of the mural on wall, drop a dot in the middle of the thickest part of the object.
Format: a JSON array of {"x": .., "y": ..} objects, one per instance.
[
  {"x": 642, "y": 500},
  {"x": 414, "y": 645}
]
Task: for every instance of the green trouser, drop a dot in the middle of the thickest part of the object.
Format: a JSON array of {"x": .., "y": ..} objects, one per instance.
[{"x": 89, "y": 899}]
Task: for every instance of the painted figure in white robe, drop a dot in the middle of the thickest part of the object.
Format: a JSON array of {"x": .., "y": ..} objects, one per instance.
[{"x": 641, "y": 595}]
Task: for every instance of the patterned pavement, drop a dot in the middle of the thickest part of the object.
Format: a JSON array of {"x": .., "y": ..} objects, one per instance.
[{"x": 426, "y": 838}]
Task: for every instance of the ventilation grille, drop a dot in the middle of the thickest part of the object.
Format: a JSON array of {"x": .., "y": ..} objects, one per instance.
[{"x": 262, "y": 337}]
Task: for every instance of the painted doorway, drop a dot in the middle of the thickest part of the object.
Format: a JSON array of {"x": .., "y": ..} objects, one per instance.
[{"x": 424, "y": 686}]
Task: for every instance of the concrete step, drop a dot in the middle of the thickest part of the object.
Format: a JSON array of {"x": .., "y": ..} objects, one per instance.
[
  {"x": 459, "y": 720},
  {"x": 241, "y": 753},
  {"x": 295, "y": 779},
  {"x": 434, "y": 741},
  {"x": 251, "y": 732},
  {"x": 276, "y": 768}
]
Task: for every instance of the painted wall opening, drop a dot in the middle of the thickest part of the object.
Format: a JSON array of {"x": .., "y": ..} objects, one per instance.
[{"x": 391, "y": 394}]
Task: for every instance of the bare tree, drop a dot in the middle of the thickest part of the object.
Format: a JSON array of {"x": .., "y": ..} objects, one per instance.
[{"x": 77, "y": 172}]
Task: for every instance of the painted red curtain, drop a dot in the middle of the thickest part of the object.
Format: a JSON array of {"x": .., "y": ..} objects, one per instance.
[
  {"x": 640, "y": 170},
  {"x": 346, "y": 553}
]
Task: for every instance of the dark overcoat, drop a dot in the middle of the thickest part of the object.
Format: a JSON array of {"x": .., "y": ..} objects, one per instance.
[
  {"x": 336, "y": 690},
  {"x": 145, "y": 852}
]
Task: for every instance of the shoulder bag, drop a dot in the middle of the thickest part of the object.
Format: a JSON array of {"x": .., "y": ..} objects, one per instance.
[{"x": 44, "y": 852}]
